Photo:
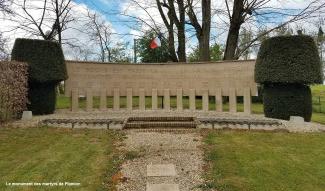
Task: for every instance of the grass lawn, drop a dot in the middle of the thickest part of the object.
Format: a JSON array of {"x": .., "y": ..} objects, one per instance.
[
  {"x": 318, "y": 90},
  {"x": 268, "y": 161},
  {"x": 46, "y": 155}
]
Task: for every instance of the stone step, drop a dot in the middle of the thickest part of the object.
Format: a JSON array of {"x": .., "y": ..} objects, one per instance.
[
  {"x": 161, "y": 170},
  {"x": 176, "y": 118},
  {"x": 162, "y": 187},
  {"x": 160, "y": 124}
]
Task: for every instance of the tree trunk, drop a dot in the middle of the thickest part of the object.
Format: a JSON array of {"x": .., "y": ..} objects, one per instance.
[
  {"x": 170, "y": 26},
  {"x": 236, "y": 21},
  {"x": 204, "y": 48},
  {"x": 171, "y": 46},
  {"x": 204, "y": 40},
  {"x": 181, "y": 52},
  {"x": 181, "y": 32}
]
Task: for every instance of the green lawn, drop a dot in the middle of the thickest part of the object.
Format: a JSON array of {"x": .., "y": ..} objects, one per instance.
[
  {"x": 44, "y": 155},
  {"x": 318, "y": 90},
  {"x": 268, "y": 161}
]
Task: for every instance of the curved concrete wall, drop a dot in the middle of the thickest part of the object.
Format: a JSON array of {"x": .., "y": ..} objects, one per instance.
[{"x": 201, "y": 77}]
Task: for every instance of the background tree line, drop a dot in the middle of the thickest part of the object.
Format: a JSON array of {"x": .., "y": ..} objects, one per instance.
[{"x": 189, "y": 27}]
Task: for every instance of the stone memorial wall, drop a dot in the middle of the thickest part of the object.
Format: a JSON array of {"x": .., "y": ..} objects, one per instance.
[{"x": 230, "y": 78}]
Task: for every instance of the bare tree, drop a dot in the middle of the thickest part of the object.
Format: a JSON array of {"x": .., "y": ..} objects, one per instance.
[
  {"x": 100, "y": 32},
  {"x": 179, "y": 20},
  {"x": 169, "y": 24},
  {"x": 244, "y": 10},
  {"x": 52, "y": 20},
  {"x": 175, "y": 16},
  {"x": 202, "y": 31}
]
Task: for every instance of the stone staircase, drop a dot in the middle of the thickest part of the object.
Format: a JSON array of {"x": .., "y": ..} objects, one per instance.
[{"x": 160, "y": 122}]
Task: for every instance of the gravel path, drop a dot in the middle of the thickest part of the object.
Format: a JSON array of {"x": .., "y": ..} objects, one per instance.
[{"x": 179, "y": 148}]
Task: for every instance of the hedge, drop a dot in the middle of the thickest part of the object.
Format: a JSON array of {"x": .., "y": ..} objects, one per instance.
[
  {"x": 13, "y": 89},
  {"x": 288, "y": 59},
  {"x": 46, "y": 68},
  {"x": 45, "y": 59},
  {"x": 284, "y": 100},
  {"x": 42, "y": 98}
]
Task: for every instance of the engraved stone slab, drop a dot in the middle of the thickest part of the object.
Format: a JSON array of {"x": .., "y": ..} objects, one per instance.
[
  {"x": 162, "y": 187},
  {"x": 161, "y": 170}
]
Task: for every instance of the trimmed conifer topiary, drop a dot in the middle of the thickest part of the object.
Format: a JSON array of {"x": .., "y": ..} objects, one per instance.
[
  {"x": 284, "y": 100},
  {"x": 46, "y": 68},
  {"x": 45, "y": 59},
  {"x": 42, "y": 97},
  {"x": 288, "y": 59},
  {"x": 285, "y": 65}
]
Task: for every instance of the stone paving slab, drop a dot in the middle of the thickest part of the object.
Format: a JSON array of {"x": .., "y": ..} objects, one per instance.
[
  {"x": 162, "y": 187},
  {"x": 161, "y": 170}
]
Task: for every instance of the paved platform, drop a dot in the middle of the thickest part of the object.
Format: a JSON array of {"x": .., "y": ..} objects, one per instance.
[
  {"x": 161, "y": 170},
  {"x": 162, "y": 187}
]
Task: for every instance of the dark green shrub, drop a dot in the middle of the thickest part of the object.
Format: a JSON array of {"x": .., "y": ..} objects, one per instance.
[
  {"x": 46, "y": 67},
  {"x": 284, "y": 100},
  {"x": 288, "y": 59},
  {"x": 45, "y": 59},
  {"x": 42, "y": 98}
]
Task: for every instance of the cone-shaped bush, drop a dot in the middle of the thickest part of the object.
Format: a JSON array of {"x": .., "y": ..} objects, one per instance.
[
  {"x": 46, "y": 68},
  {"x": 288, "y": 59},
  {"x": 284, "y": 100}
]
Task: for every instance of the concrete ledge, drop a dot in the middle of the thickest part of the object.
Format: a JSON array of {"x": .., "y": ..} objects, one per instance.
[
  {"x": 161, "y": 170},
  {"x": 162, "y": 187}
]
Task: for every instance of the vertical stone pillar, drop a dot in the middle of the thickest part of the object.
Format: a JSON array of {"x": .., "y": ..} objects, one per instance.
[
  {"x": 154, "y": 99},
  {"x": 219, "y": 100},
  {"x": 129, "y": 100},
  {"x": 103, "y": 100},
  {"x": 232, "y": 100},
  {"x": 116, "y": 99},
  {"x": 192, "y": 99},
  {"x": 247, "y": 101},
  {"x": 179, "y": 99},
  {"x": 166, "y": 99},
  {"x": 205, "y": 100},
  {"x": 74, "y": 100},
  {"x": 142, "y": 99},
  {"x": 89, "y": 104}
]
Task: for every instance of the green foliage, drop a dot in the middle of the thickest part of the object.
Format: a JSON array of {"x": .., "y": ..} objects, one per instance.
[
  {"x": 284, "y": 100},
  {"x": 118, "y": 53},
  {"x": 42, "y": 98},
  {"x": 46, "y": 67},
  {"x": 45, "y": 59},
  {"x": 288, "y": 59},
  {"x": 149, "y": 55},
  {"x": 215, "y": 53}
]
